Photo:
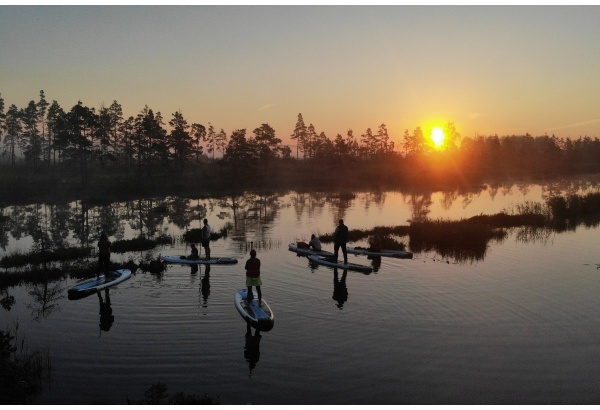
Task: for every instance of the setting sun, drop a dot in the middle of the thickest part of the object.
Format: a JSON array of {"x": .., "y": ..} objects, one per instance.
[{"x": 437, "y": 136}]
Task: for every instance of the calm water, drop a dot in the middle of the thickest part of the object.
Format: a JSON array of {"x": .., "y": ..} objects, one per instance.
[{"x": 519, "y": 326}]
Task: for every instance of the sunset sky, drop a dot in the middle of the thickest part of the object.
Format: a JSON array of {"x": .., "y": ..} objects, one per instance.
[{"x": 488, "y": 69}]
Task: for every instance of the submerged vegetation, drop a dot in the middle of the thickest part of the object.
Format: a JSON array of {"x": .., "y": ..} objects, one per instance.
[{"x": 157, "y": 395}]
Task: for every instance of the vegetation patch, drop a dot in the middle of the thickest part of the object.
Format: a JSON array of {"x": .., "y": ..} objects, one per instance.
[
  {"x": 157, "y": 395},
  {"x": 195, "y": 235},
  {"x": 22, "y": 372},
  {"x": 40, "y": 257},
  {"x": 139, "y": 244}
]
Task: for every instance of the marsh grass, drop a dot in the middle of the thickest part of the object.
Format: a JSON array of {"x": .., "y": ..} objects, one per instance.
[
  {"x": 22, "y": 372},
  {"x": 40, "y": 257},
  {"x": 139, "y": 244}
]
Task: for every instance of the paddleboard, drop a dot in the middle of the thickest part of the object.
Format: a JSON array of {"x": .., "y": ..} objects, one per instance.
[
  {"x": 259, "y": 317},
  {"x": 307, "y": 251},
  {"x": 184, "y": 260},
  {"x": 102, "y": 282},
  {"x": 384, "y": 252},
  {"x": 323, "y": 260}
]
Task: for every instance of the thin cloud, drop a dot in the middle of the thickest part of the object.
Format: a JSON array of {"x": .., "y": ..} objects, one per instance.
[
  {"x": 266, "y": 107},
  {"x": 576, "y": 124}
]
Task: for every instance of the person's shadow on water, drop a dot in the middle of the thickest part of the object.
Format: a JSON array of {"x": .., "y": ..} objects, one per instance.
[
  {"x": 252, "y": 348},
  {"x": 106, "y": 316},
  {"x": 340, "y": 291}
]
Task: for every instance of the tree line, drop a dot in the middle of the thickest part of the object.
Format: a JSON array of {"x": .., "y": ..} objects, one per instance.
[{"x": 44, "y": 134}]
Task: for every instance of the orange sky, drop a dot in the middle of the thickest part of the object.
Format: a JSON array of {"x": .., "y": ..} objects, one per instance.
[{"x": 489, "y": 69}]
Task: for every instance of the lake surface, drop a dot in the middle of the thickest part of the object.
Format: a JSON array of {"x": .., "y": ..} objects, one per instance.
[{"x": 520, "y": 326}]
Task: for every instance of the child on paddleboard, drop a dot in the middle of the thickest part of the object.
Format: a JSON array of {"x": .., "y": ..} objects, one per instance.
[{"x": 253, "y": 276}]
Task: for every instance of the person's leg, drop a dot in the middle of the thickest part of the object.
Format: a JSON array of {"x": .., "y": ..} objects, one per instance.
[
  {"x": 208, "y": 251},
  {"x": 259, "y": 295},
  {"x": 345, "y": 253},
  {"x": 249, "y": 296},
  {"x": 336, "y": 249}
]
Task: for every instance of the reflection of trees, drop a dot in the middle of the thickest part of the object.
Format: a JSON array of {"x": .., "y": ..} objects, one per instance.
[
  {"x": 143, "y": 217},
  {"x": 312, "y": 203},
  {"x": 17, "y": 221},
  {"x": 376, "y": 198},
  {"x": 44, "y": 298},
  {"x": 340, "y": 203},
  {"x": 448, "y": 198},
  {"x": 181, "y": 213},
  {"x": 420, "y": 205},
  {"x": 79, "y": 223},
  {"x": 106, "y": 218},
  {"x": 4, "y": 220},
  {"x": 252, "y": 213},
  {"x": 58, "y": 226}
]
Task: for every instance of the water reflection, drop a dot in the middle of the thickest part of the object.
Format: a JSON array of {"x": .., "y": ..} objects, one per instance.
[
  {"x": 45, "y": 295},
  {"x": 251, "y": 217},
  {"x": 375, "y": 262},
  {"x": 205, "y": 286},
  {"x": 252, "y": 348},
  {"x": 340, "y": 291},
  {"x": 106, "y": 312}
]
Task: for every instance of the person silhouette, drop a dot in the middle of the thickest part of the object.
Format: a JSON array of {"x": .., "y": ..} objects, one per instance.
[
  {"x": 252, "y": 348},
  {"x": 206, "y": 231},
  {"x": 340, "y": 237},
  {"x": 253, "y": 277},
  {"x": 103, "y": 254},
  {"x": 106, "y": 316}
]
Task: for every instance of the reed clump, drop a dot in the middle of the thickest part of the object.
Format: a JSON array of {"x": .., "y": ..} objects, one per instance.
[{"x": 22, "y": 372}]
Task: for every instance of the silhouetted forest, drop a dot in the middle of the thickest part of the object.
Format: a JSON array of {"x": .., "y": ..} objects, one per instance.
[{"x": 82, "y": 152}]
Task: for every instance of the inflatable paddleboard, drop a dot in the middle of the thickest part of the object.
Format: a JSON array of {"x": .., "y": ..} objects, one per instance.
[
  {"x": 384, "y": 252},
  {"x": 184, "y": 260},
  {"x": 307, "y": 251},
  {"x": 323, "y": 260},
  {"x": 102, "y": 282},
  {"x": 259, "y": 317}
]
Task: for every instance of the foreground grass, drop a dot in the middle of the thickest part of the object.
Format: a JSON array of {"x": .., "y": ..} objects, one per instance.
[{"x": 21, "y": 372}]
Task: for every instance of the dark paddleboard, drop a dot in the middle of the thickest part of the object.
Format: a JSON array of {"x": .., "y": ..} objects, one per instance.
[
  {"x": 390, "y": 253},
  {"x": 104, "y": 281},
  {"x": 323, "y": 260},
  {"x": 259, "y": 317},
  {"x": 184, "y": 260}
]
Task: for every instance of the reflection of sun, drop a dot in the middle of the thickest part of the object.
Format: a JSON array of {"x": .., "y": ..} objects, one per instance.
[{"x": 437, "y": 136}]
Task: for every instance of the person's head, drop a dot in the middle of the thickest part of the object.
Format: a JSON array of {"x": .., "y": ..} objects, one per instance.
[
  {"x": 253, "y": 253},
  {"x": 205, "y": 221},
  {"x": 341, "y": 221},
  {"x": 193, "y": 245},
  {"x": 103, "y": 236},
  {"x": 312, "y": 236}
]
